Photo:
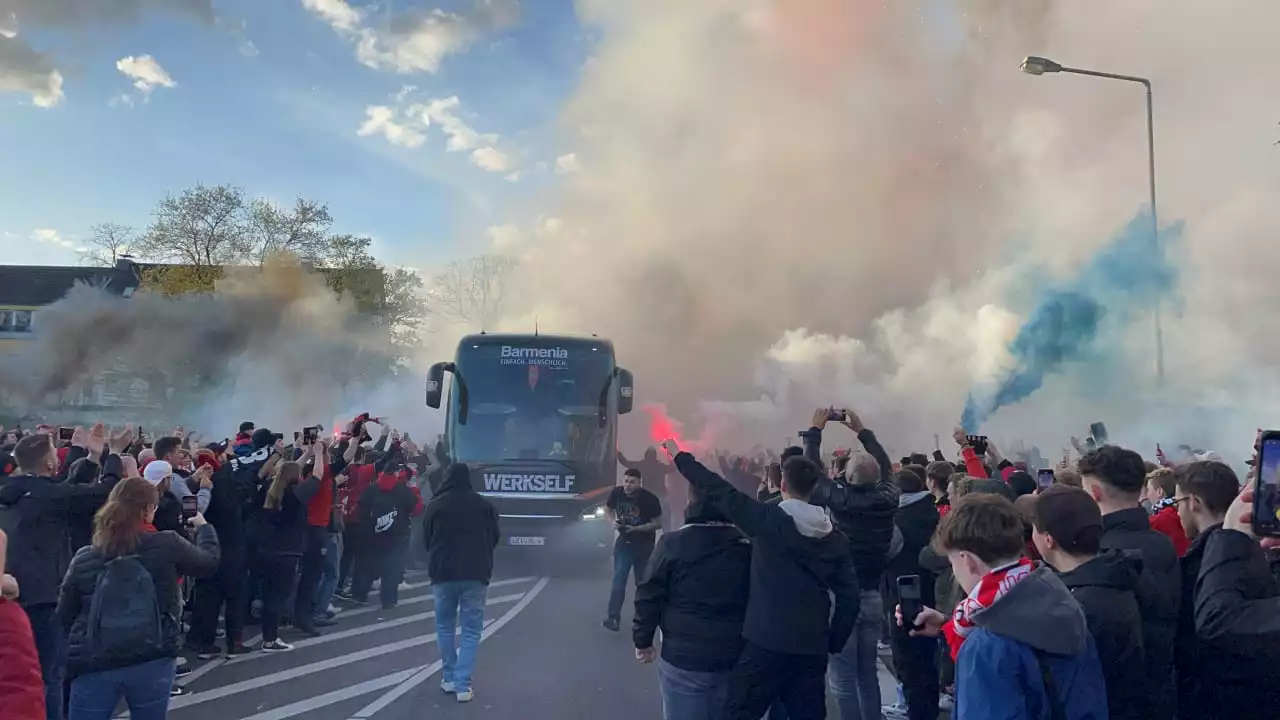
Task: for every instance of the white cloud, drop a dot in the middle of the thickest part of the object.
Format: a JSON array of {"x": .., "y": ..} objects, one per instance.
[
  {"x": 248, "y": 49},
  {"x": 505, "y": 237},
  {"x": 381, "y": 120},
  {"x": 337, "y": 13},
  {"x": 146, "y": 73},
  {"x": 53, "y": 237},
  {"x": 491, "y": 159},
  {"x": 512, "y": 177},
  {"x": 9, "y": 25},
  {"x": 567, "y": 163},
  {"x": 24, "y": 70},
  {"x": 416, "y": 40}
]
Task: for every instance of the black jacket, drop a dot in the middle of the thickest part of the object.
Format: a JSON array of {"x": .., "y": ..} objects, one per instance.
[
  {"x": 1159, "y": 596},
  {"x": 460, "y": 530},
  {"x": 863, "y": 512},
  {"x": 793, "y": 575},
  {"x": 285, "y": 528},
  {"x": 235, "y": 500},
  {"x": 1106, "y": 588},
  {"x": 1229, "y": 633},
  {"x": 916, "y": 520},
  {"x": 166, "y": 556},
  {"x": 696, "y": 592},
  {"x": 42, "y": 514}
]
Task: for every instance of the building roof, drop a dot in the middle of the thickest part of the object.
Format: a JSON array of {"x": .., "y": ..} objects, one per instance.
[{"x": 38, "y": 285}]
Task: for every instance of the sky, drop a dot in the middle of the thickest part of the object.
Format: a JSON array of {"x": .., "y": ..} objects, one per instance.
[{"x": 415, "y": 120}]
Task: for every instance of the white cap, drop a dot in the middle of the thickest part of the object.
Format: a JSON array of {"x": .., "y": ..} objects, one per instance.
[{"x": 156, "y": 471}]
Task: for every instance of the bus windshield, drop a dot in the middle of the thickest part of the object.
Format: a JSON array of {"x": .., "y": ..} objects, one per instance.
[{"x": 531, "y": 403}]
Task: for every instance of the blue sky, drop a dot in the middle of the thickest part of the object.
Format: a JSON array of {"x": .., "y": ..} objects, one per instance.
[{"x": 273, "y": 97}]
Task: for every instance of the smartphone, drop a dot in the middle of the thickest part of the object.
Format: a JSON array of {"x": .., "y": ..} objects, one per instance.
[
  {"x": 1099, "y": 432},
  {"x": 65, "y": 434},
  {"x": 1044, "y": 478},
  {"x": 188, "y": 507},
  {"x": 310, "y": 434},
  {"x": 910, "y": 600},
  {"x": 834, "y": 415},
  {"x": 1266, "y": 501},
  {"x": 978, "y": 443}
]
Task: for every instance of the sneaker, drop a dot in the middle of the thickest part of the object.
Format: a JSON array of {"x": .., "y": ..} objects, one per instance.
[
  {"x": 465, "y": 696},
  {"x": 322, "y": 621},
  {"x": 612, "y": 623},
  {"x": 308, "y": 629},
  {"x": 896, "y": 711},
  {"x": 208, "y": 652},
  {"x": 237, "y": 650},
  {"x": 178, "y": 691},
  {"x": 448, "y": 687},
  {"x": 276, "y": 646},
  {"x": 342, "y": 594},
  {"x": 183, "y": 669},
  {"x": 946, "y": 702}
]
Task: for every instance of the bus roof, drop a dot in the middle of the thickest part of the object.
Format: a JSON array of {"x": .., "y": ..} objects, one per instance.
[{"x": 582, "y": 342}]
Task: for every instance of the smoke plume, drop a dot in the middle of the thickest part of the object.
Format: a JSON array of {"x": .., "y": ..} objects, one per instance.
[{"x": 853, "y": 202}]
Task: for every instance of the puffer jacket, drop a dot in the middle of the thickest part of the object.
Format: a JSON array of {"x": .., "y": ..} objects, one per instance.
[{"x": 167, "y": 557}]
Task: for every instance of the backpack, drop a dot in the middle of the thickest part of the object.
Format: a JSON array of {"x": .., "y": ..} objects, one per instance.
[{"x": 124, "y": 615}]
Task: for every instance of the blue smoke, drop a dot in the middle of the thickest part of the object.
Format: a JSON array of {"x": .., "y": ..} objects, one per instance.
[{"x": 1124, "y": 279}]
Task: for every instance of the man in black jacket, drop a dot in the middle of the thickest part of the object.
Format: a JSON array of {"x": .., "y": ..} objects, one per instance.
[
  {"x": 1228, "y": 649},
  {"x": 1115, "y": 478},
  {"x": 798, "y": 562},
  {"x": 41, "y": 513},
  {"x": 915, "y": 659},
  {"x": 696, "y": 592},
  {"x": 1067, "y": 530},
  {"x": 863, "y": 505},
  {"x": 460, "y": 530}
]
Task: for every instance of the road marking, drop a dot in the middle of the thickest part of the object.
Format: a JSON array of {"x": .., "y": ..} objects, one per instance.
[
  {"x": 361, "y": 630},
  {"x": 427, "y": 597},
  {"x": 337, "y": 696},
  {"x": 212, "y": 665},
  {"x": 426, "y": 673}
]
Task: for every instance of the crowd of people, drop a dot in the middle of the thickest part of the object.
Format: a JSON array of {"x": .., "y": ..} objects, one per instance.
[
  {"x": 117, "y": 553},
  {"x": 1108, "y": 587}
]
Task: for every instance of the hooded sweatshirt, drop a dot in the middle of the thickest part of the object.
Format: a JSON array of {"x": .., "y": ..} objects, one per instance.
[
  {"x": 460, "y": 530},
  {"x": 1036, "y": 628},
  {"x": 799, "y": 562}
]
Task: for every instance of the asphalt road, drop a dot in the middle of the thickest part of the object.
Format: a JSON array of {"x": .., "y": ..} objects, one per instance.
[{"x": 544, "y": 655}]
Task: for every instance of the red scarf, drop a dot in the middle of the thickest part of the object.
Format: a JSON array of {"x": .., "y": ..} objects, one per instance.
[
  {"x": 148, "y": 527},
  {"x": 989, "y": 589}
]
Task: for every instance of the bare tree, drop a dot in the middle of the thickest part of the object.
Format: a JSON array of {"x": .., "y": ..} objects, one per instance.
[
  {"x": 470, "y": 291},
  {"x": 106, "y": 244},
  {"x": 204, "y": 227},
  {"x": 302, "y": 230}
]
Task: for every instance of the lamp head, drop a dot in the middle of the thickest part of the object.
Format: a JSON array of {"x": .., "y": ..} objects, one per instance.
[{"x": 1033, "y": 65}]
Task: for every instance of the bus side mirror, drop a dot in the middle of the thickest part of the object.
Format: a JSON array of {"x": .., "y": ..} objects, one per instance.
[
  {"x": 435, "y": 384},
  {"x": 626, "y": 391}
]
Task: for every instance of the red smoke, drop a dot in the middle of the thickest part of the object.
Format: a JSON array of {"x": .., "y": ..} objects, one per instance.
[{"x": 664, "y": 427}]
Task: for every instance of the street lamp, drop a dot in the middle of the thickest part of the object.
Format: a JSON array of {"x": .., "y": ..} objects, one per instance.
[{"x": 1033, "y": 65}]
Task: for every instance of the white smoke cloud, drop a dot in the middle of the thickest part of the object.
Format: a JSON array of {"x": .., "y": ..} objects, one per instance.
[{"x": 875, "y": 188}]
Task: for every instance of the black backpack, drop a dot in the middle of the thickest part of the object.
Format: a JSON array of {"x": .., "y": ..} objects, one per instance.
[{"x": 124, "y": 615}]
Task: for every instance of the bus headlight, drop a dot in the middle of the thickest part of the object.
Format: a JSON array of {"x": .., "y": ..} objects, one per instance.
[{"x": 595, "y": 513}]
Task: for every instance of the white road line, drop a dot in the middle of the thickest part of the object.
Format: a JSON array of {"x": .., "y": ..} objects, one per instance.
[
  {"x": 425, "y": 598},
  {"x": 426, "y": 673},
  {"x": 320, "y": 701},
  {"x": 363, "y": 629},
  {"x": 212, "y": 665}
]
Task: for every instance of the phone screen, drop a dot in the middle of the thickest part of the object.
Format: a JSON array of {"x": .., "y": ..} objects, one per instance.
[
  {"x": 310, "y": 434},
  {"x": 1266, "y": 503},
  {"x": 65, "y": 434},
  {"x": 910, "y": 601},
  {"x": 188, "y": 507},
  {"x": 1044, "y": 477}
]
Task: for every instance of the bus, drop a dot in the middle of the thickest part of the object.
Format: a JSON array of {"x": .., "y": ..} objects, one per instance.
[{"x": 536, "y": 418}]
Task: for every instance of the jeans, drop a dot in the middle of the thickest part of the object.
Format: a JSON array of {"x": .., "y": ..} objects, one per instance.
[
  {"x": 762, "y": 677},
  {"x": 329, "y": 575},
  {"x": 852, "y": 675},
  {"x": 281, "y": 571},
  {"x": 383, "y": 559},
  {"x": 628, "y": 559},
  {"x": 51, "y": 647},
  {"x": 689, "y": 695},
  {"x": 145, "y": 689},
  {"x": 459, "y": 601}
]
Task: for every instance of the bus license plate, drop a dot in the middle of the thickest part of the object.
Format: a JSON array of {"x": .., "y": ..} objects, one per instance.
[{"x": 526, "y": 540}]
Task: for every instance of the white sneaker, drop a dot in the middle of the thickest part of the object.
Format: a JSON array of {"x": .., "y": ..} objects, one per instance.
[
  {"x": 946, "y": 702},
  {"x": 896, "y": 711},
  {"x": 276, "y": 646},
  {"x": 448, "y": 687},
  {"x": 465, "y": 696}
]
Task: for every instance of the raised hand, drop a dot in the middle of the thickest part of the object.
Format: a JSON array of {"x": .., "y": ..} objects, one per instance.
[
  {"x": 672, "y": 447},
  {"x": 80, "y": 438},
  {"x": 121, "y": 440},
  {"x": 97, "y": 440}
]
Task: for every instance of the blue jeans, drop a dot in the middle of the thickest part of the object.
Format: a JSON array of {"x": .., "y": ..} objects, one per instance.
[
  {"x": 689, "y": 695},
  {"x": 329, "y": 576},
  {"x": 628, "y": 559},
  {"x": 51, "y": 647},
  {"x": 145, "y": 689},
  {"x": 852, "y": 675},
  {"x": 459, "y": 601}
]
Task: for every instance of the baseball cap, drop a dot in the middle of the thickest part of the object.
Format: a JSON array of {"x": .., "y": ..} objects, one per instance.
[
  {"x": 1070, "y": 517},
  {"x": 156, "y": 471},
  {"x": 217, "y": 447}
]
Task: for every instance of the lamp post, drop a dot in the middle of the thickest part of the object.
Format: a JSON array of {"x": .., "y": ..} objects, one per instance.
[{"x": 1033, "y": 65}]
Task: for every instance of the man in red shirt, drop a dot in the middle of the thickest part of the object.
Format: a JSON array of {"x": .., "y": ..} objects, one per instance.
[{"x": 1161, "y": 491}]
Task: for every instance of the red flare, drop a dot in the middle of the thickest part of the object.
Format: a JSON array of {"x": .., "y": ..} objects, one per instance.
[{"x": 664, "y": 427}]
